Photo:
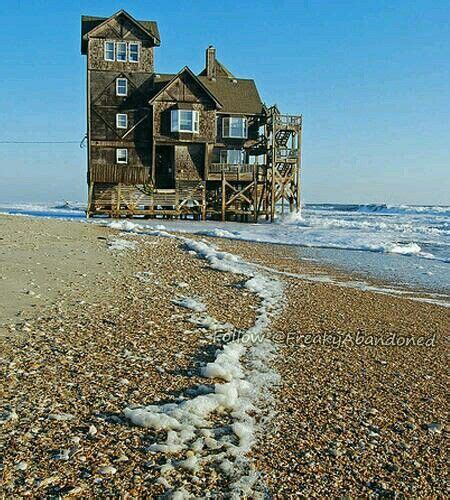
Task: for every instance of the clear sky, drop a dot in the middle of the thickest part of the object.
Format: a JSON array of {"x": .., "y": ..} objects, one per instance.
[{"x": 371, "y": 78}]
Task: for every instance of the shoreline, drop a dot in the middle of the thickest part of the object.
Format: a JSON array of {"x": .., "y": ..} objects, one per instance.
[
  {"x": 402, "y": 245},
  {"x": 344, "y": 418}
]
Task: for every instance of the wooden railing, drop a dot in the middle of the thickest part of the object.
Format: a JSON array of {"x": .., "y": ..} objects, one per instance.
[
  {"x": 290, "y": 120},
  {"x": 239, "y": 172},
  {"x": 119, "y": 174},
  {"x": 286, "y": 154},
  {"x": 240, "y": 168}
]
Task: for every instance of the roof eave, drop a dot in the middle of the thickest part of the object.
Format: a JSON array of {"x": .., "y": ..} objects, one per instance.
[
  {"x": 187, "y": 69},
  {"x": 85, "y": 37}
]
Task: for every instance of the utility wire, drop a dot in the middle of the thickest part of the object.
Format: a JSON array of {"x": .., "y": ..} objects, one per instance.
[
  {"x": 82, "y": 143},
  {"x": 39, "y": 142}
]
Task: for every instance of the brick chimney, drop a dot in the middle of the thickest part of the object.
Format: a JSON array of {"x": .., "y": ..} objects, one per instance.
[{"x": 211, "y": 62}]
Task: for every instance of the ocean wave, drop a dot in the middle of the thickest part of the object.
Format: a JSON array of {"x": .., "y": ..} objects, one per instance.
[{"x": 383, "y": 209}]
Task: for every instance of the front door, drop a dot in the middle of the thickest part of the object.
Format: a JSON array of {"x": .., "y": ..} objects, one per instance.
[{"x": 164, "y": 167}]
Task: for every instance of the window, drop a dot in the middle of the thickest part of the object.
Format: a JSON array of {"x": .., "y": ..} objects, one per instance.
[
  {"x": 121, "y": 120},
  {"x": 234, "y": 127},
  {"x": 109, "y": 51},
  {"x": 184, "y": 120},
  {"x": 121, "y": 53},
  {"x": 232, "y": 156},
  {"x": 121, "y": 86},
  {"x": 133, "y": 52},
  {"x": 117, "y": 51},
  {"x": 122, "y": 155}
]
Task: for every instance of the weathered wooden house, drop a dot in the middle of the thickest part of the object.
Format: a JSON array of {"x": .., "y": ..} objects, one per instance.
[{"x": 180, "y": 144}]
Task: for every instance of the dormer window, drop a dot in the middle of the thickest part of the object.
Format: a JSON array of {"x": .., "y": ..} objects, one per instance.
[
  {"x": 184, "y": 120},
  {"x": 234, "y": 127},
  {"x": 121, "y": 86},
  {"x": 121, "y": 53},
  {"x": 110, "y": 51},
  {"x": 133, "y": 52}
]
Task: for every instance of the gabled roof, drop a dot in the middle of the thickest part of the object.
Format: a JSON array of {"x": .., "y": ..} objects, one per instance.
[
  {"x": 237, "y": 95},
  {"x": 220, "y": 70},
  {"x": 89, "y": 25},
  {"x": 186, "y": 70}
]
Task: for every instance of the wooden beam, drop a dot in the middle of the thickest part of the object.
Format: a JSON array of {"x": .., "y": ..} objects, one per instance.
[{"x": 224, "y": 187}]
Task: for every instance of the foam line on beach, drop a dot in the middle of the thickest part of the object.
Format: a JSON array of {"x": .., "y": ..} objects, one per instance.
[
  {"x": 439, "y": 299},
  {"x": 243, "y": 364}
]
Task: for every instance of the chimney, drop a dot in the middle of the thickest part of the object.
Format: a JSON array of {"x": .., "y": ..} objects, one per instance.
[{"x": 211, "y": 62}]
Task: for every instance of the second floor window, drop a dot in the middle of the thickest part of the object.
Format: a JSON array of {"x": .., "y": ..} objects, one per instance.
[
  {"x": 121, "y": 120},
  {"x": 121, "y": 51},
  {"x": 122, "y": 86},
  {"x": 122, "y": 155},
  {"x": 184, "y": 120},
  {"x": 110, "y": 51},
  {"x": 234, "y": 127}
]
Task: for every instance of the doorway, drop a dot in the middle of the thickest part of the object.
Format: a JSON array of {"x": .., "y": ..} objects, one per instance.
[{"x": 164, "y": 167}]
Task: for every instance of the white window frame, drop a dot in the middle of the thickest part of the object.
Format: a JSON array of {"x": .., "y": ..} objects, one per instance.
[
  {"x": 121, "y": 44},
  {"x": 230, "y": 120},
  {"x": 126, "y": 87},
  {"x": 138, "y": 45},
  {"x": 106, "y": 50},
  {"x": 226, "y": 153},
  {"x": 175, "y": 121},
  {"x": 118, "y": 118},
  {"x": 118, "y": 160}
]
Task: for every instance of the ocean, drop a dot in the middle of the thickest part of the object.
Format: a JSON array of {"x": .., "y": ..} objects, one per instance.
[{"x": 406, "y": 245}]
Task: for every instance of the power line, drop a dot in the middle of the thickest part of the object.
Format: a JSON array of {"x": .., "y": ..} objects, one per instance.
[
  {"x": 81, "y": 143},
  {"x": 39, "y": 142}
]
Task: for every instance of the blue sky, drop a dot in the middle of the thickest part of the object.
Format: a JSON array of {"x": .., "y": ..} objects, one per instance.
[{"x": 372, "y": 79}]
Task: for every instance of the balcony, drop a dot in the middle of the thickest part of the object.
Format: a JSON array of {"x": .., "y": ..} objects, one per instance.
[
  {"x": 286, "y": 155},
  {"x": 231, "y": 172},
  {"x": 288, "y": 121}
]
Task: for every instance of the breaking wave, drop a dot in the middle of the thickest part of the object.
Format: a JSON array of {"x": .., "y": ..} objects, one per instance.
[{"x": 384, "y": 209}]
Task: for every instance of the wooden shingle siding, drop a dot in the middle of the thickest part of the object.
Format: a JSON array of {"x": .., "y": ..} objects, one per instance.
[
  {"x": 190, "y": 160},
  {"x": 119, "y": 174},
  {"x": 105, "y": 155}
]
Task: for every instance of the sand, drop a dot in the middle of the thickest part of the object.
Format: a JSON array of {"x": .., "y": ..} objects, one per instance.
[{"x": 104, "y": 333}]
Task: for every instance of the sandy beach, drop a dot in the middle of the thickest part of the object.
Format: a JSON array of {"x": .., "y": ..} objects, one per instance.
[{"x": 100, "y": 329}]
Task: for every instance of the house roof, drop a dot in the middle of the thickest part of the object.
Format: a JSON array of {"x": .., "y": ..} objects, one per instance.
[
  {"x": 90, "y": 23},
  {"x": 236, "y": 95},
  {"x": 220, "y": 70},
  {"x": 195, "y": 78}
]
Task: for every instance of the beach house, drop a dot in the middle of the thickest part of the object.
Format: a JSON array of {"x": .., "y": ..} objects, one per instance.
[{"x": 183, "y": 144}]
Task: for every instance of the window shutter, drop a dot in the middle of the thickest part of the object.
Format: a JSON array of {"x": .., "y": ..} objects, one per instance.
[
  {"x": 226, "y": 127},
  {"x": 244, "y": 128},
  {"x": 174, "y": 121},
  {"x": 196, "y": 120}
]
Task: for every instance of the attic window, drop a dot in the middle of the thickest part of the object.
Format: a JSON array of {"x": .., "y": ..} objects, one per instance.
[
  {"x": 184, "y": 120},
  {"x": 234, "y": 127}
]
